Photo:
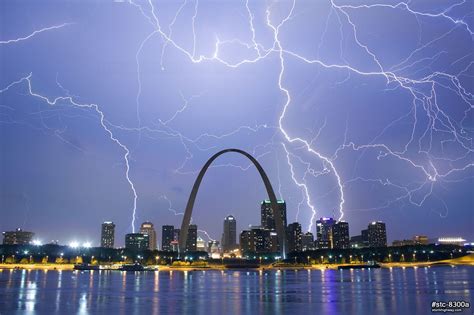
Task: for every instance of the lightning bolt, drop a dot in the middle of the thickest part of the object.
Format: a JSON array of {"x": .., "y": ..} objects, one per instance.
[
  {"x": 33, "y": 34},
  {"x": 429, "y": 122},
  {"x": 96, "y": 108}
]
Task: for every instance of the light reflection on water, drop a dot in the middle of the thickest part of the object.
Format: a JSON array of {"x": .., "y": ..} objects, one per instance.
[{"x": 395, "y": 290}]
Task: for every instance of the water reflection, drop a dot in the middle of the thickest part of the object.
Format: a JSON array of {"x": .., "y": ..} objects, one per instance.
[{"x": 277, "y": 292}]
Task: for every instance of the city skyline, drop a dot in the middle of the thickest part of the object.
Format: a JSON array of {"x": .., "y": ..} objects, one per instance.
[{"x": 116, "y": 124}]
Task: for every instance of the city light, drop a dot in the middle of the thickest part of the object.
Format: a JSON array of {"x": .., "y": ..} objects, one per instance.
[
  {"x": 36, "y": 243},
  {"x": 74, "y": 244},
  {"x": 87, "y": 245}
]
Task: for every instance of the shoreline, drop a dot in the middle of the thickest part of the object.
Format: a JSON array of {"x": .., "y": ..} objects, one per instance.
[{"x": 70, "y": 267}]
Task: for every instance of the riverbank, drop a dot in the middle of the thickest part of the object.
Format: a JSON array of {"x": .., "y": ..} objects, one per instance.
[{"x": 467, "y": 260}]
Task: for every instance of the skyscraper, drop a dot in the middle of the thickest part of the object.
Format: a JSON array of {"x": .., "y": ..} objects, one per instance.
[
  {"x": 307, "y": 241},
  {"x": 107, "y": 238},
  {"x": 340, "y": 232},
  {"x": 293, "y": 232},
  {"x": 377, "y": 234},
  {"x": 324, "y": 232},
  {"x": 148, "y": 229},
  {"x": 167, "y": 236},
  {"x": 229, "y": 236},
  {"x": 191, "y": 241},
  {"x": 136, "y": 241},
  {"x": 267, "y": 215}
]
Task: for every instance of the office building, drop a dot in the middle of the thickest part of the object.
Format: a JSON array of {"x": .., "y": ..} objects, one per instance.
[
  {"x": 340, "y": 235},
  {"x": 257, "y": 240},
  {"x": 229, "y": 236},
  {"x": 420, "y": 240},
  {"x": 191, "y": 241},
  {"x": 267, "y": 216},
  {"x": 324, "y": 233},
  {"x": 107, "y": 237},
  {"x": 137, "y": 241},
  {"x": 246, "y": 242},
  {"x": 293, "y": 237},
  {"x": 17, "y": 237},
  {"x": 307, "y": 241},
  {"x": 167, "y": 236},
  {"x": 176, "y": 234},
  {"x": 147, "y": 228},
  {"x": 357, "y": 242},
  {"x": 377, "y": 234}
]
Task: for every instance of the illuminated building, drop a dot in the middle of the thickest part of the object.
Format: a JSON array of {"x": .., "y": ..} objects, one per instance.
[
  {"x": 167, "y": 236},
  {"x": 107, "y": 237},
  {"x": 256, "y": 240},
  {"x": 340, "y": 235},
  {"x": 200, "y": 244},
  {"x": 17, "y": 237},
  {"x": 229, "y": 236},
  {"x": 420, "y": 239},
  {"x": 377, "y": 234},
  {"x": 307, "y": 241},
  {"x": 293, "y": 237},
  {"x": 191, "y": 241},
  {"x": 451, "y": 241},
  {"x": 137, "y": 241},
  {"x": 148, "y": 229},
  {"x": 324, "y": 233},
  {"x": 266, "y": 214}
]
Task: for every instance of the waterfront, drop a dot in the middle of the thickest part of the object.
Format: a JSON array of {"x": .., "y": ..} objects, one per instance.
[{"x": 371, "y": 291}]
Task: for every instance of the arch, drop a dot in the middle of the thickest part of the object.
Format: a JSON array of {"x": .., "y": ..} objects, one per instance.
[{"x": 280, "y": 229}]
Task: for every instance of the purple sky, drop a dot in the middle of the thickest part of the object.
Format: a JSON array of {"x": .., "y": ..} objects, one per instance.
[{"x": 362, "y": 111}]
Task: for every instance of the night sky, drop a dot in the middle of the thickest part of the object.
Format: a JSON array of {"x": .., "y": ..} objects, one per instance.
[{"x": 354, "y": 109}]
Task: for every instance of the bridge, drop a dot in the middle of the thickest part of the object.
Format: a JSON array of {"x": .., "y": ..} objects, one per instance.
[{"x": 280, "y": 229}]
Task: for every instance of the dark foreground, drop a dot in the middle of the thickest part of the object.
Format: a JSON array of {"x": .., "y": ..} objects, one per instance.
[{"x": 374, "y": 291}]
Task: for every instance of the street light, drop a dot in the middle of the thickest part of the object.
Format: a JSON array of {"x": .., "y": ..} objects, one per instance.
[{"x": 308, "y": 259}]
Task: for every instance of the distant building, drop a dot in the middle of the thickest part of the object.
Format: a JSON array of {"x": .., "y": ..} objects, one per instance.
[
  {"x": 191, "y": 241},
  {"x": 451, "y": 241},
  {"x": 176, "y": 234},
  {"x": 365, "y": 237},
  {"x": 377, "y": 234},
  {"x": 293, "y": 237},
  {"x": 167, "y": 236},
  {"x": 213, "y": 247},
  {"x": 340, "y": 232},
  {"x": 107, "y": 238},
  {"x": 273, "y": 246},
  {"x": 307, "y": 241},
  {"x": 267, "y": 216},
  {"x": 137, "y": 241},
  {"x": 246, "y": 242},
  {"x": 398, "y": 243},
  {"x": 17, "y": 237},
  {"x": 229, "y": 236},
  {"x": 256, "y": 240},
  {"x": 147, "y": 228},
  {"x": 201, "y": 245},
  {"x": 356, "y": 242},
  {"x": 420, "y": 239},
  {"x": 324, "y": 233}
]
